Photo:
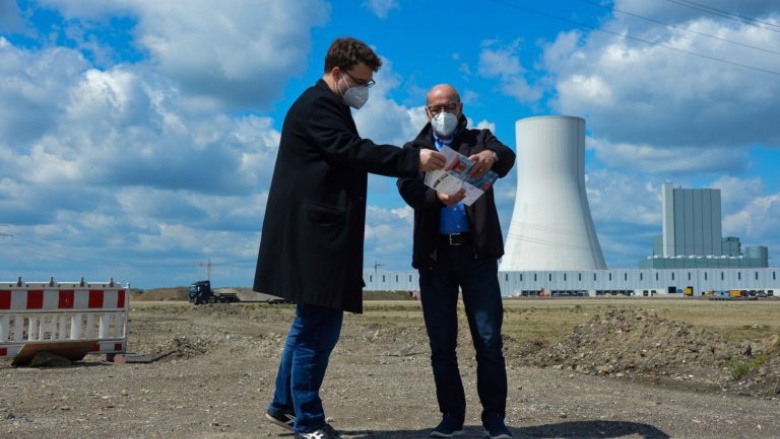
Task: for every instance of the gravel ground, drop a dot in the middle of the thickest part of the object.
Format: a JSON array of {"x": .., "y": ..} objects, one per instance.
[{"x": 624, "y": 374}]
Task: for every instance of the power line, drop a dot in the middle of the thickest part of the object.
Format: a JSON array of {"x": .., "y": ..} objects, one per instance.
[
  {"x": 206, "y": 264},
  {"x": 725, "y": 14},
  {"x": 671, "y": 26},
  {"x": 623, "y": 35}
]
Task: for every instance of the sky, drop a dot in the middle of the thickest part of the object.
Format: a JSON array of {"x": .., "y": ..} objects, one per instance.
[{"x": 138, "y": 137}]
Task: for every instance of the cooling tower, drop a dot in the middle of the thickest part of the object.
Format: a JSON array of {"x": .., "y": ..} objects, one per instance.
[{"x": 551, "y": 226}]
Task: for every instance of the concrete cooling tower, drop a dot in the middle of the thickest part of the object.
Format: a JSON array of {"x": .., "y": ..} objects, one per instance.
[{"x": 551, "y": 226}]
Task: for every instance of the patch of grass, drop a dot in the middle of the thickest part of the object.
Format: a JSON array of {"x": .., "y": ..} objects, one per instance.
[{"x": 738, "y": 369}]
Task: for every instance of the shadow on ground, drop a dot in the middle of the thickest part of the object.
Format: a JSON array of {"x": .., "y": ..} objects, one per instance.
[{"x": 573, "y": 430}]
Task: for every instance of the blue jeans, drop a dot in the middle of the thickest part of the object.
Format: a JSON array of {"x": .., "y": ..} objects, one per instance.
[
  {"x": 312, "y": 337},
  {"x": 478, "y": 280}
]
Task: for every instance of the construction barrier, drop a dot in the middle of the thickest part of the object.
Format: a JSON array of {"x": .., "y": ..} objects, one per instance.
[{"x": 56, "y": 317}]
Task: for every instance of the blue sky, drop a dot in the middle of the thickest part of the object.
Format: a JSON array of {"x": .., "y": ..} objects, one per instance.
[{"x": 137, "y": 137}]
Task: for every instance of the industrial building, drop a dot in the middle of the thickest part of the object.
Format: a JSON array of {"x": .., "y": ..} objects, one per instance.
[
  {"x": 623, "y": 281},
  {"x": 692, "y": 234},
  {"x": 552, "y": 247}
]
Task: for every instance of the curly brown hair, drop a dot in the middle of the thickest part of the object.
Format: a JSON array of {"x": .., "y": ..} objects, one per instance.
[{"x": 346, "y": 52}]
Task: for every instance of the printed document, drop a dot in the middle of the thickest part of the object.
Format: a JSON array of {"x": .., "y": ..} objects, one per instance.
[{"x": 455, "y": 176}]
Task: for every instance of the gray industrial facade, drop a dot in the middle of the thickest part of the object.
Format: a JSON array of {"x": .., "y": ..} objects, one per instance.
[
  {"x": 633, "y": 282},
  {"x": 692, "y": 236}
]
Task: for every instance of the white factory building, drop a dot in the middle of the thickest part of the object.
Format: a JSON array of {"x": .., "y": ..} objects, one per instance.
[
  {"x": 552, "y": 246},
  {"x": 628, "y": 281}
]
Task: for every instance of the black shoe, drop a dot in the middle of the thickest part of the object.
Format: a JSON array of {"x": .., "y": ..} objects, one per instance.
[
  {"x": 324, "y": 432},
  {"x": 284, "y": 420},
  {"x": 495, "y": 427},
  {"x": 448, "y": 427}
]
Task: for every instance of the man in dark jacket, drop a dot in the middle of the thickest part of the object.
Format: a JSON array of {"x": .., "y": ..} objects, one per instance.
[
  {"x": 311, "y": 249},
  {"x": 457, "y": 247}
]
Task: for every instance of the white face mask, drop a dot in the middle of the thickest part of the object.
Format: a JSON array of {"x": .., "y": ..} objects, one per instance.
[
  {"x": 355, "y": 97},
  {"x": 444, "y": 123}
]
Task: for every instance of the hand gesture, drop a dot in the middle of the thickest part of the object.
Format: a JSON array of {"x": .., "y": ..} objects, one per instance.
[
  {"x": 449, "y": 200},
  {"x": 431, "y": 160},
  {"x": 482, "y": 163}
]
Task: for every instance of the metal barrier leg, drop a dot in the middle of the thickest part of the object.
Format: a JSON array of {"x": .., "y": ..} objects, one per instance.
[
  {"x": 62, "y": 327},
  {"x": 104, "y": 328},
  {"x": 76, "y": 326},
  {"x": 4, "y": 328},
  {"x": 33, "y": 328},
  {"x": 17, "y": 328},
  {"x": 90, "y": 325}
]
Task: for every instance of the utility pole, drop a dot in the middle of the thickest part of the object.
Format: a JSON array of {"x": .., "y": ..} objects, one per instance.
[
  {"x": 206, "y": 264},
  {"x": 377, "y": 264}
]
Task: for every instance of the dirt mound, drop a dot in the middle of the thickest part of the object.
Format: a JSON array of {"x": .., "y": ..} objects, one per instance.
[{"x": 640, "y": 345}]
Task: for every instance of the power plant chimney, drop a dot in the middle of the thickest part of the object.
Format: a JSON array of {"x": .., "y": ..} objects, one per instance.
[{"x": 551, "y": 228}]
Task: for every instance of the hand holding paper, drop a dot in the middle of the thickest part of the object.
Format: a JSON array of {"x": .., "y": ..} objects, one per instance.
[{"x": 456, "y": 177}]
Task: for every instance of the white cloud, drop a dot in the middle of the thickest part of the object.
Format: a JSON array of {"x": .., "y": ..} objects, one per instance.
[
  {"x": 382, "y": 119},
  {"x": 31, "y": 90},
  {"x": 626, "y": 213},
  {"x": 221, "y": 56},
  {"x": 503, "y": 62},
  {"x": 380, "y": 8},
  {"x": 672, "y": 12},
  {"x": 670, "y": 110},
  {"x": 646, "y": 158},
  {"x": 389, "y": 236},
  {"x": 748, "y": 212},
  {"x": 106, "y": 167},
  {"x": 637, "y": 93}
]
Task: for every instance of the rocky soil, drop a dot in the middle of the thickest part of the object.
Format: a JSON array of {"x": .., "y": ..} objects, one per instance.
[
  {"x": 208, "y": 371},
  {"x": 641, "y": 346}
]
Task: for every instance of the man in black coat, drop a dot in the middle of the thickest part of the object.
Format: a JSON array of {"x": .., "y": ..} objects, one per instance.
[
  {"x": 457, "y": 247},
  {"x": 311, "y": 248}
]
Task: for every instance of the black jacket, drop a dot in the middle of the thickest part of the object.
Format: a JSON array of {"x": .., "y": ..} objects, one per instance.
[
  {"x": 311, "y": 248},
  {"x": 488, "y": 242}
]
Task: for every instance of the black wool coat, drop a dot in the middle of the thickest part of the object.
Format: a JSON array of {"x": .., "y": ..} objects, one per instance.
[
  {"x": 311, "y": 247},
  {"x": 484, "y": 224}
]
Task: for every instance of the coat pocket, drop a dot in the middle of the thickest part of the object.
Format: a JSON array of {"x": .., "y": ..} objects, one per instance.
[{"x": 324, "y": 215}]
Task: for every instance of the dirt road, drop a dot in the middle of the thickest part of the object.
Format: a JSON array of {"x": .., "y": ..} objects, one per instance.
[{"x": 217, "y": 364}]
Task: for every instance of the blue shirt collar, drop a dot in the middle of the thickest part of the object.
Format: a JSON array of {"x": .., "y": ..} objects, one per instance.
[{"x": 439, "y": 141}]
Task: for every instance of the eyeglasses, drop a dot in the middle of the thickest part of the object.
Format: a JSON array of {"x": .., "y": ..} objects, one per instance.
[
  {"x": 449, "y": 108},
  {"x": 361, "y": 82}
]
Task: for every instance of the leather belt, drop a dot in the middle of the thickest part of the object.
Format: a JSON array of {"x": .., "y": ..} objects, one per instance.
[{"x": 455, "y": 239}]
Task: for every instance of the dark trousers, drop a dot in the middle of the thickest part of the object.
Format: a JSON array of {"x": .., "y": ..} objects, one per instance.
[{"x": 478, "y": 280}]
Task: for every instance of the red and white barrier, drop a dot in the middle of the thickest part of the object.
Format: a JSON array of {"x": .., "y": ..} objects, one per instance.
[{"x": 55, "y": 312}]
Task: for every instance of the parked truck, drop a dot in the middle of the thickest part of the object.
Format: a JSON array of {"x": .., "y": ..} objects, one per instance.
[{"x": 201, "y": 292}]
